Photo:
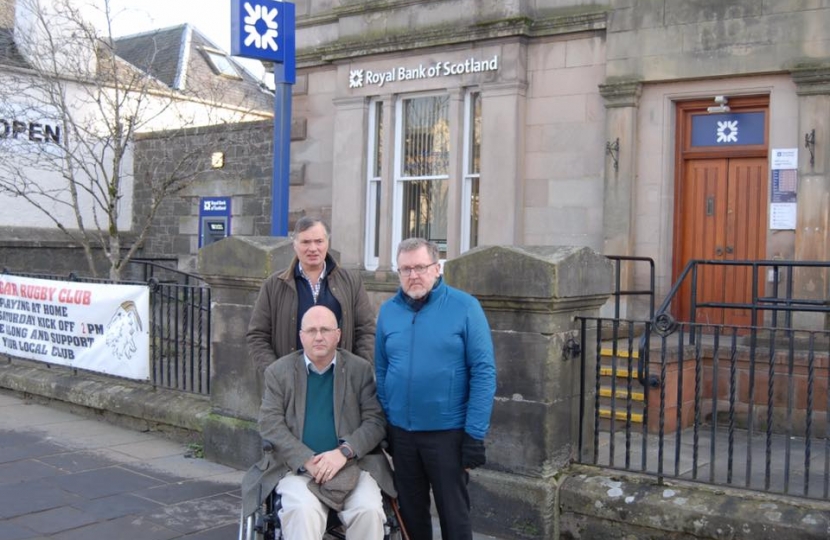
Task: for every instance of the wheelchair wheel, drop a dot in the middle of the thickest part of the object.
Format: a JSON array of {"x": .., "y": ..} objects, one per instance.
[
  {"x": 262, "y": 524},
  {"x": 392, "y": 528}
]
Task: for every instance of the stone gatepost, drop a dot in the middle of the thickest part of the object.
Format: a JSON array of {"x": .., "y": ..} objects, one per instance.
[
  {"x": 235, "y": 268},
  {"x": 531, "y": 296}
]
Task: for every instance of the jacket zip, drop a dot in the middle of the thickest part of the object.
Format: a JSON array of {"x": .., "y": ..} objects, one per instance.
[{"x": 409, "y": 378}]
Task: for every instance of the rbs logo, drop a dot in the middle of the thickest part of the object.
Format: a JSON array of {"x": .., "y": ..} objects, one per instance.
[{"x": 215, "y": 206}]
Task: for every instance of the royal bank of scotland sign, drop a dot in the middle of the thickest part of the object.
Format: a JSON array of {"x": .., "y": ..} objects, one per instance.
[{"x": 264, "y": 30}]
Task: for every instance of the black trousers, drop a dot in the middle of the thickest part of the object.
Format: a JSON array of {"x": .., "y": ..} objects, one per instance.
[{"x": 427, "y": 460}]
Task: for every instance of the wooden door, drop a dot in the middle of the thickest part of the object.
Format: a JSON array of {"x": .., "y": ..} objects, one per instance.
[{"x": 723, "y": 218}]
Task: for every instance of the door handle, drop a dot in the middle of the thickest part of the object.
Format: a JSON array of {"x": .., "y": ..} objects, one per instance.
[
  {"x": 718, "y": 251},
  {"x": 730, "y": 249}
]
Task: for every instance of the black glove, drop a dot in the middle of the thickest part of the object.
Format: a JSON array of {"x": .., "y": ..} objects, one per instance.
[{"x": 472, "y": 452}]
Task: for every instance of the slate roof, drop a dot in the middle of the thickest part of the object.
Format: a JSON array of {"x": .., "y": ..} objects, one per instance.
[{"x": 177, "y": 57}]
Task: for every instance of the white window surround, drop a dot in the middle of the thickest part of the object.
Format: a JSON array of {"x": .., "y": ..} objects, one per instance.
[
  {"x": 470, "y": 176},
  {"x": 394, "y": 178},
  {"x": 374, "y": 174}
]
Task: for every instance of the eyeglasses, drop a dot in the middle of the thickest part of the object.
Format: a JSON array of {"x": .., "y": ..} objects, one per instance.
[
  {"x": 409, "y": 270},
  {"x": 325, "y": 332}
]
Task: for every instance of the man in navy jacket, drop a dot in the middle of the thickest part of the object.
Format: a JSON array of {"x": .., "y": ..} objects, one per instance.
[{"x": 436, "y": 379}]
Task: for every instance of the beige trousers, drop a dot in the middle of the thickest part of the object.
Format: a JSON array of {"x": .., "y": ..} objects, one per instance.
[{"x": 303, "y": 516}]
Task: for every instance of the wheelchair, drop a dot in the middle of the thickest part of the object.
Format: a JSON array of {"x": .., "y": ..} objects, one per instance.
[{"x": 264, "y": 523}]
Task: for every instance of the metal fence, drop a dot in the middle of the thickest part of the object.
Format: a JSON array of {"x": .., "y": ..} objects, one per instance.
[
  {"x": 742, "y": 406},
  {"x": 179, "y": 322}
]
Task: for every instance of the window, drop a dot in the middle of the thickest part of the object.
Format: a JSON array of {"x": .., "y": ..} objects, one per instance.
[
  {"x": 423, "y": 157},
  {"x": 221, "y": 64},
  {"x": 422, "y": 169}
]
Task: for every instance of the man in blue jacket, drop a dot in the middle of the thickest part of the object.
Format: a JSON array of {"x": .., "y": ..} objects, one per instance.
[{"x": 436, "y": 379}]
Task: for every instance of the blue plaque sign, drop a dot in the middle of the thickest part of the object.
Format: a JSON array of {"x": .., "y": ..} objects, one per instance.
[
  {"x": 729, "y": 129},
  {"x": 264, "y": 30}
]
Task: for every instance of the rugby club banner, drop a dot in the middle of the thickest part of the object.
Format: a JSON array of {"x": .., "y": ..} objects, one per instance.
[{"x": 99, "y": 327}]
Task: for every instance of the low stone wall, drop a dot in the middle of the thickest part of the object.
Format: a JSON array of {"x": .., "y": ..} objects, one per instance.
[
  {"x": 598, "y": 503},
  {"x": 179, "y": 415},
  {"x": 578, "y": 502},
  {"x": 48, "y": 251}
]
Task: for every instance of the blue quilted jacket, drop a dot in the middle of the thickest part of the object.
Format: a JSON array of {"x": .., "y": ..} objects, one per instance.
[{"x": 435, "y": 367}]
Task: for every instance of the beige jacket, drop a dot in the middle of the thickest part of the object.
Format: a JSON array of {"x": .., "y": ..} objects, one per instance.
[{"x": 358, "y": 420}]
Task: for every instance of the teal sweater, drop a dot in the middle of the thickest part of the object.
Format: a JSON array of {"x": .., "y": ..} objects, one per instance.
[{"x": 318, "y": 430}]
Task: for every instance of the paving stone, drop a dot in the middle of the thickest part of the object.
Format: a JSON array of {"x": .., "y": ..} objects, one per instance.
[
  {"x": 30, "y": 450},
  {"x": 10, "y": 531},
  {"x": 183, "y": 491},
  {"x": 220, "y": 533},
  {"x": 11, "y": 437},
  {"x": 116, "y": 506},
  {"x": 102, "y": 482},
  {"x": 55, "y": 520},
  {"x": 35, "y": 496},
  {"x": 126, "y": 528},
  {"x": 27, "y": 469},
  {"x": 192, "y": 516},
  {"x": 79, "y": 461}
]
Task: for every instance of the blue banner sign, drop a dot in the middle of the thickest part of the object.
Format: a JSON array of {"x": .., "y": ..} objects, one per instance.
[
  {"x": 264, "y": 30},
  {"x": 729, "y": 129}
]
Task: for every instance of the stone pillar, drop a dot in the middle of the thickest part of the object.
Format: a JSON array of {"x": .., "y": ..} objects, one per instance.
[
  {"x": 503, "y": 105},
  {"x": 456, "y": 172},
  {"x": 531, "y": 296},
  {"x": 348, "y": 190},
  {"x": 235, "y": 268},
  {"x": 621, "y": 102},
  {"x": 811, "y": 234}
]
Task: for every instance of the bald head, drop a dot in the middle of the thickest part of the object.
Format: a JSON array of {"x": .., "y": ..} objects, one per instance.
[
  {"x": 319, "y": 335},
  {"x": 320, "y": 314}
]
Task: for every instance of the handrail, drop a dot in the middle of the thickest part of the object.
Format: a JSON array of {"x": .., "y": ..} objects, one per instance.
[
  {"x": 618, "y": 293},
  {"x": 618, "y": 259},
  {"x": 665, "y": 322}
]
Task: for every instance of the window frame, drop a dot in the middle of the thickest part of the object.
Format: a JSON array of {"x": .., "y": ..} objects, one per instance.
[
  {"x": 397, "y": 176},
  {"x": 467, "y": 174},
  {"x": 374, "y": 184}
]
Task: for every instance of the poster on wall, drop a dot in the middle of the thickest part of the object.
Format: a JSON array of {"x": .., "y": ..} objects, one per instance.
[
  {"x": 782, "y": 210},
  {"x": 98, "y": 327},
  {"x": 784, "y": 158}
]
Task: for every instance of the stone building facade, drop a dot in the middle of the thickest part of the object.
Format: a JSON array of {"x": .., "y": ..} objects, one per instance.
[{"x": 568, "y": 123}]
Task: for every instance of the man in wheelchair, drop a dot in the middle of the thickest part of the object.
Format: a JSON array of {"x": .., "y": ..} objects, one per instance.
[{"x": 321, "y": 415}]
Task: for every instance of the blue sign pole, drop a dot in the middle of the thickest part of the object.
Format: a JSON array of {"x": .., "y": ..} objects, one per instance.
[
  {"x": 264, "y": 30},
  {"x": 282, "y": 153}
]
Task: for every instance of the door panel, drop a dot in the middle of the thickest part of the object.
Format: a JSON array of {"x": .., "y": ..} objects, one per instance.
[
  {"x": 723, "y": 217},
  {"x": 745, "y": 232},
  {"x": 704, "y": 226}
]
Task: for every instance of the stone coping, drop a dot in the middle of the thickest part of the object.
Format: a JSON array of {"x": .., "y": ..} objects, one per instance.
[{"x": 179, "y": 415}]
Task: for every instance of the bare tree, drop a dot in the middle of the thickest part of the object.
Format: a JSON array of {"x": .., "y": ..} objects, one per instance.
[{"x": 68, "y": 120}]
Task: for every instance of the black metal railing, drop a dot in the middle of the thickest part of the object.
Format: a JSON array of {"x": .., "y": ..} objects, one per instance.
[
  {"x": 778, "y": 298},
  {"x": 179, "y": 323},
  {"x": 630, "y": 263},
  {"x": 631, "y": 328},
  {"x": 732, "y": 409},
  {"x": 739, "y": 405}
]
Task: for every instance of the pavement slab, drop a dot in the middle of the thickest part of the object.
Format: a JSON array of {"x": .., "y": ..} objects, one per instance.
[{"x": 69, "y": 477}]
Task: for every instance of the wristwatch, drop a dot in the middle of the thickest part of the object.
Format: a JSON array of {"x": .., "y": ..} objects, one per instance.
[{"x": 346, "y": 451}]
